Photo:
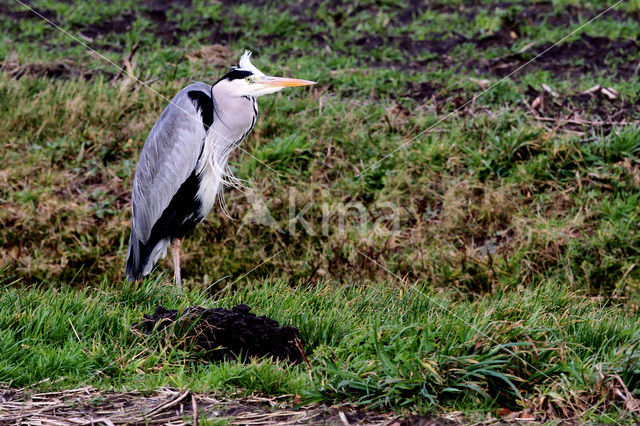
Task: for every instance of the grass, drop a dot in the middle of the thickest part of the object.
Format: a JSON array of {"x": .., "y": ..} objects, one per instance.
[
  {"x": 418, "y": 347},
  {"x": 525, "y": 230}
]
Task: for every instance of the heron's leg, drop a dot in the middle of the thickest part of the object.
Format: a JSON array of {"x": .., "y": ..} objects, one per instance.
[{"x": 175, "y": 253}]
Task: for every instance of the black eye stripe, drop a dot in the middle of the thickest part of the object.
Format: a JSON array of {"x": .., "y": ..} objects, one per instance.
[{"x": 236, "y": 74}]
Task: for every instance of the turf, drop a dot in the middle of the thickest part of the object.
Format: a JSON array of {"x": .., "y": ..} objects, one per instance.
[
  {"x": 518, "y": 213},
  {"x": 544, "y": 349}
]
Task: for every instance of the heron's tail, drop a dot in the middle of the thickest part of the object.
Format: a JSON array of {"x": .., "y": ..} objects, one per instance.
[
  {"x": 134, "y": 258},
  {"x": 142, "y": 257}
]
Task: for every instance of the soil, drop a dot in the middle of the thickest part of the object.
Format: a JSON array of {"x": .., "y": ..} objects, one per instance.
[
  {"x": 19, "y": 12},
  {"x": 584, "y": 55},
  {"x": 598, "y": 107},
  {"x": 60, "y": 69},
  {"x": 220, "y": 334}
]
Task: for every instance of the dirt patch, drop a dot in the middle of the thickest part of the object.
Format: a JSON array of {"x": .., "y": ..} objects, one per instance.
[
  {"x": 157, "y": 11},
  {"x": 119, "y": 25},
  {"x": 443, "y": 99},
  {"x": 226, "y": 334},
  {"x": 583, "y": 56},
  {"x": 523, "y": 12},
  {"x": 168, "y": 406},
  {"x": 20, "y": 12},
  {"x": 586, "y": 55},
  {"x": 160, "y": 12},
  {"x": 55, "y": 69},
  {"x": 214, "y": 54},
  {"x": 532, "y": 13},
  {"x": 423, "y": 421},
  {"x": 599, "y": 107}
]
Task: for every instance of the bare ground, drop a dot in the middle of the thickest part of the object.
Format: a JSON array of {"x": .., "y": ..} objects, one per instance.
[{"x": 175, "y": 407}]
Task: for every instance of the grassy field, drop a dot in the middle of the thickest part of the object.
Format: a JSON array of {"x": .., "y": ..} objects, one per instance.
[{"x": 490, "y": 266}]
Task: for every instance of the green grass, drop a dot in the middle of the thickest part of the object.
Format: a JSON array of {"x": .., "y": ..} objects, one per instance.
[
  {"x": 384, "y": 346},
  {"x": 525, "y": 230}
]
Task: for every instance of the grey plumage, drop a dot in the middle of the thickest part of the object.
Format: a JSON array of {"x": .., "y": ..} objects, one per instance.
[
  {"x": 177, "y": 146},
  {"x": 183, "y": 164},
  {"x": 167, "y": 158}
]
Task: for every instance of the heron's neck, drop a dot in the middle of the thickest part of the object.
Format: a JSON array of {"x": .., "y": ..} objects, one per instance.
[
  {"x": 229, "y": 106},
  {"x": 233, "y": 119}
]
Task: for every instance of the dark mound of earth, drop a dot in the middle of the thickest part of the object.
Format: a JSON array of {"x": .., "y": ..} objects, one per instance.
[{"x": 226, "y": 334}]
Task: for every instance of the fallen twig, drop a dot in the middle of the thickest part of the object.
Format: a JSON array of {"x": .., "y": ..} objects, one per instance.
[
  {"x": 166, "y": 405},
  {"x": 127, "y": 62},
  {"x": 194, "y": 407}
]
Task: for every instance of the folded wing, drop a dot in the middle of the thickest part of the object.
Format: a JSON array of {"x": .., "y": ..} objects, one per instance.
[{"x": 168, "y": 159}]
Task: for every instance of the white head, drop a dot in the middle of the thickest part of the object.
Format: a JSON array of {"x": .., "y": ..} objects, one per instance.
[{"x": 247, "y": 80}]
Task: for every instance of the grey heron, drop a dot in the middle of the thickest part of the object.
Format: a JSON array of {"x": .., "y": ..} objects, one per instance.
[{"x": 183, "y": 163}]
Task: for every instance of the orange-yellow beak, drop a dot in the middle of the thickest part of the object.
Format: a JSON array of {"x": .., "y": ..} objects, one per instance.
[{"x": 283, "y": 82}]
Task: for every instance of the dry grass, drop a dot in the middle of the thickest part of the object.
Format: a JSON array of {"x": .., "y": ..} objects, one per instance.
[{"x": 168, "y": 407}]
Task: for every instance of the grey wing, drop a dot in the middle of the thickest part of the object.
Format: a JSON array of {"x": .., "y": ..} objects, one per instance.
[{"x": 167, "y": 159}]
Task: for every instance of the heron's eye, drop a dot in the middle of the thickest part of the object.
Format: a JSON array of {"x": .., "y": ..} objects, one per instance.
[{"x": 249, "y": 79}]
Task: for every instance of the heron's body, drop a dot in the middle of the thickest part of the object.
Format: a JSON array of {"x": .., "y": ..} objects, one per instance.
[
  {"x": 193, "y": 137},
  {"x": 183, "y": 164}
]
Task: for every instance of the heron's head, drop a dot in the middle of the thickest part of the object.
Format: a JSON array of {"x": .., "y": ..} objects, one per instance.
[{"x": 247, "y": 80}]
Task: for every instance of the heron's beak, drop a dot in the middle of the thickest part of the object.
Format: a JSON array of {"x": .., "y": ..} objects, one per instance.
[{"x": 283, "y": 82}]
